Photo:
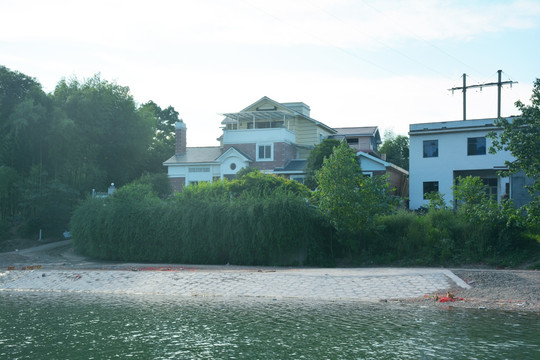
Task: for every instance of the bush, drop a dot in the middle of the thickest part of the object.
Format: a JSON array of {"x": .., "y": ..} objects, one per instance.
[
  {"x": 493, "y": 235},
  {"x": 160, "y": 183},
  {"x": 136, "y": 225}
]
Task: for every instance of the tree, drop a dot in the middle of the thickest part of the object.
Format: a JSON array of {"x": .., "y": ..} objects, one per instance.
[
  {"x": 396, "y": 149},
  {"x": 27, "y": 139},
  {"x": 163, "y": 140},
  {"x": 258, "y": 184},
  {"x": 316, "y": 158},
  {"x": 8, "y": 191},
  {"x": 25, "y": 121},
  {"x": 521, "y": 136},
  {"x": 347, "y": 198},
  {"x": 109, "y": 139}
]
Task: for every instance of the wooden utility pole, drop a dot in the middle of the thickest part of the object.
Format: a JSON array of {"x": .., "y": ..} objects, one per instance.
[{"x": 499, "y": 84}]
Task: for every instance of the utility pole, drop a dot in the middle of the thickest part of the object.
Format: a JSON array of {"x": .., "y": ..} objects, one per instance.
[{"x": 499, "y": 84}]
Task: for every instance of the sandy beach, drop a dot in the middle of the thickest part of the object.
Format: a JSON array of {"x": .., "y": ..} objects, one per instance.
[{"x": 54, "y": 267}]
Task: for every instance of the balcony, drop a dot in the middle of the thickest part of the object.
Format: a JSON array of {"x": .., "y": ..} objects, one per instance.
[{"x": 249, "y": 136}]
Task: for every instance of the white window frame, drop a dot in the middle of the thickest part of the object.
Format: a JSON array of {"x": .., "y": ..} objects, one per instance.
[{"x": 271, "y": 158}]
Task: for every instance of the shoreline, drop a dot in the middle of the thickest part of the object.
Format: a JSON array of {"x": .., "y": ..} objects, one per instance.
[{"x": 54, "y": 267}]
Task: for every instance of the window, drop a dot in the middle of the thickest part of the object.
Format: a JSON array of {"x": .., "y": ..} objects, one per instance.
[
  {"x": 430, "y": 186},
  {"x": 491, "y": 187},
  {"x": 199, "y": 169},
  {"x": 264, "y": 152},
  {"x": 265, "y": 124},
  {"x": 476, "y": 146},
  {"x": 431, "y": 148},
  {"x": 232, "y": 166}
]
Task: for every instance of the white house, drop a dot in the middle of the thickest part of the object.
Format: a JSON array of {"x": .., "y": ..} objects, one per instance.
[
  {"x": 273, "y": 137},
  {"x": 442, "y": 151}
]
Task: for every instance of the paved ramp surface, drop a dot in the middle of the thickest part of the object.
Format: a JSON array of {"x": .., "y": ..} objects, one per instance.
[{"x": 363, "y": 284}]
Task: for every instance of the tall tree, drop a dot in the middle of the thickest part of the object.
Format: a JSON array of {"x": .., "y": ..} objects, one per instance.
[
  {"x": 316, "y": 158},
  {"x": 396, "y": 149},
  {"x": 163, "y": 140},
  {"x": 24, "y": 121},
  {"x": 521, "y": 136},
  {"x": 109, "y": 139},
  {"x": 347, "y": 198}
]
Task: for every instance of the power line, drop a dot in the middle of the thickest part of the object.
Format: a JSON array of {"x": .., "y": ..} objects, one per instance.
[
  {"x": 419, "y": 37},
  {"x": 343, "y": 49},
  {"x": 499, "y": 85},
  {"x": 387, "y": 46}
]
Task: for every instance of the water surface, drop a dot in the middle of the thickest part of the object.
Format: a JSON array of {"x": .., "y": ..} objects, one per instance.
[{"x": 82, "y": 326}]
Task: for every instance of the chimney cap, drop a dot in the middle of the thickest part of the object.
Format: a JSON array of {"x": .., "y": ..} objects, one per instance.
[{"x": 180, "y": 124}]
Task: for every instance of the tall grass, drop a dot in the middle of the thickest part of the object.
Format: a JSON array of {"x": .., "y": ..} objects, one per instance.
[{"x": 136, "y": 225}]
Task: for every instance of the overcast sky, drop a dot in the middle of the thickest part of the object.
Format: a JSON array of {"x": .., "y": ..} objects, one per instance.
[{"x": 388, "y": 63}]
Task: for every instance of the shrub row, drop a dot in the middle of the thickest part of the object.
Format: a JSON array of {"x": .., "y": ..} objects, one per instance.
[
  {"x": 444, "y": 237},
  {"x": 136, "y": 225}
]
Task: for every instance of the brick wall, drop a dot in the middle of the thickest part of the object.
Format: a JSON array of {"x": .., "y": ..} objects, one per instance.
[
  {"x": 283, "y": 153},
  {"x": 178, "y": 183},
  {"x": 180, "y": 140}
]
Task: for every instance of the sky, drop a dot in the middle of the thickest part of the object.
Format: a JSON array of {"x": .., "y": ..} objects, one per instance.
[{"x": 385, "y": 63}]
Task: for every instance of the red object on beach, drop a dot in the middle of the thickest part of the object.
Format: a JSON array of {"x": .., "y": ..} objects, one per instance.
[{"x": 444, "y": 299}]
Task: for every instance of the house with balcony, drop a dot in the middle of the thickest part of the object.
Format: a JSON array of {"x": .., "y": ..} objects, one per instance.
[
  {"x": 441, "y": 152},
  {"x": 273, "y": 137}
]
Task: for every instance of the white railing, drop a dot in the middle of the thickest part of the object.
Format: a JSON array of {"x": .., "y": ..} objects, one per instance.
[{"x": 258, "y": 136}]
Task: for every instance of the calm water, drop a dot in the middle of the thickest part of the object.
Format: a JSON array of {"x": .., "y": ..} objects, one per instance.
[{"x": 38, "y": 326}]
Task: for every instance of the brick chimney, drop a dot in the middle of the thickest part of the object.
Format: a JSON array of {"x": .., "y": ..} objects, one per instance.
[{"x": 180, "y": 137}]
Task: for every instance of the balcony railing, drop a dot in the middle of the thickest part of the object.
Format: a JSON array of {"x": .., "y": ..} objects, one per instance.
[{"x": 268, "y": 135}]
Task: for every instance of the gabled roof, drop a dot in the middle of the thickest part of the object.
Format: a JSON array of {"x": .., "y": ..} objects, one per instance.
[
  {"x": 276, "y": 105},
  {"x": 386, "y": 164},
  {"x": 196, "y": 155},
  {"x": 233, "y": 150},
  {"x": 277, "y": 112}
]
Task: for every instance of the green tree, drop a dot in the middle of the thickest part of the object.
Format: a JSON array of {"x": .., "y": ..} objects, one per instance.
[
  {"x": 521, "y": 136},
  {"x": 25, "y": 121},
  {"x": 396, "y": 149},
  {"x": 46, "y": 204},
  {"x": 258, "y": 184},
  {"x": 347, "y": 198},
  {"x": 28, "y": 140},
  {"x": 316, "y": 158},
  {"x": 109, "y": 139},
  {"x": 246, "y": 170},
  {"x": 8, "y": 191},
  {"x": 159, "y": 182},
  {"x": 163, "y": 140}
]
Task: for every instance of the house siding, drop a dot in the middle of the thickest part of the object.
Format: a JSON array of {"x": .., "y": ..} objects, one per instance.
[
  {"x": 306, "y": 133},
  {"x": 451, "y": 160}
]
